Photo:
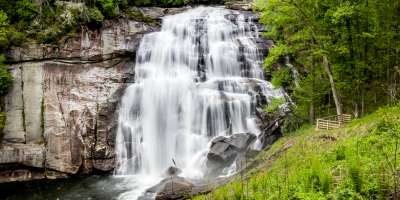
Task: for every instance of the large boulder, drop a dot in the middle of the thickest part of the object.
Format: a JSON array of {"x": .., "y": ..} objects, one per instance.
[
  {"x": 173, "y": 187},
  {"x": 157, "y": 13},
  {"x": 224, "y": 150},
  {"x": 270, "y": 124},
  {"x": 236, "y": 5}
]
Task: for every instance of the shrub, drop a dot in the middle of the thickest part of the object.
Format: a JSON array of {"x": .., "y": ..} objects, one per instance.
[
  {"x": 275, "y": 55},
  {"x": 5, "y": 78},
  {"x": 3, "y": 30},
  {"x": 49, "y": 35},
  {"x": 16, "y": 38},
  {"x": 340, "y": 153},
  {"x": 95, "y": 16},
  {"x": 2, "y": 124},
  {"x": 274, "y": 105},
  {"x": 355, "y": 175},
  {"x": 108, "y": 7},
  {"x": 281, "y": 77},
  {"x": 26, "y": 10}
]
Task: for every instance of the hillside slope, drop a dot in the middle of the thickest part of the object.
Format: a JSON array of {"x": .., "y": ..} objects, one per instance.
[{"x": 358, "y": 161}]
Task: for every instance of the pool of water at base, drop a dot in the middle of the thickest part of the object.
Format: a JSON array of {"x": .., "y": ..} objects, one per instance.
[{"x": 96, "y": 187}]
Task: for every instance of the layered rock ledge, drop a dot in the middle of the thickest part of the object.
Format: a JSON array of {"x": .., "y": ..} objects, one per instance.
[{"x": 61, "y": 109}]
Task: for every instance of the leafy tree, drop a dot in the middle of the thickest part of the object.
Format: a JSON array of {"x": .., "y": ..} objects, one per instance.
[
  {"x": 107, "y": 7},
  {"x": 3, "y": 29},
  {"x": 349, "y": 46}
]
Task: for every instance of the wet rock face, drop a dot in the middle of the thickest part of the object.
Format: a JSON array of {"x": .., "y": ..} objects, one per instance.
[
  {"x": 224, "y": 150},
  {"x": 62, "y": 108},
  {"x": 270, "y": 124}
]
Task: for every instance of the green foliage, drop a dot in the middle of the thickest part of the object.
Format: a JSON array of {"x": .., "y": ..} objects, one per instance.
[
  {"x": 340, "y": 153},
  {"x": 95, "y": 16},
  {"x": 237, "y": 190},
  {"x": 274, "y": 105},
  {"x": 359, "y": 163},
  {"x": 5, "y": 78},
  {"x": 26, "y": 10},
  {"x": 49, "y": 35},
  {"x": 5, "y": 83},
  {"x": 16, "y": 38},
  {"x": 109, "y": 8},
  {"x": 275, "y": 54},
  {"x": 3, "y": 30},
  {"x": 359, "y": 40},
  {"x": 354, "y": 170},
  {"x": 2, "y": 124},
  {"x": 281, "y": 77},
  {"x": 50, "y": 21}
]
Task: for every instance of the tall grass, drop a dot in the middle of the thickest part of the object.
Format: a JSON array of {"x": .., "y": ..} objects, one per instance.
[{"x": 360, "y": 163}]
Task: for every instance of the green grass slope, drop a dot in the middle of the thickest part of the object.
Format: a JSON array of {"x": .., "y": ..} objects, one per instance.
[{"x": 359, "y": 161}]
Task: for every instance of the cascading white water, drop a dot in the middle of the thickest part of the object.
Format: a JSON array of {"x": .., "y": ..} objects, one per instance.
[{"x": 192, "y": 84}]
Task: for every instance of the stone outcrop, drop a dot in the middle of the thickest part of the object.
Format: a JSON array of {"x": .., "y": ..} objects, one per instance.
[
  {"x": 224, "y": 150},
  {"x": 238, "y": 5},
  {"x": 173, "y": 187},
  {"x": 62, "y": 108},
  {"x": 157, "y": 13},
  {"x": 270, "y": 124}
]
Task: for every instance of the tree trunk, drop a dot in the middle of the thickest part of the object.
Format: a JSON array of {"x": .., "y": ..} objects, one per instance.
[
  {"x": 328, "y": 70},
  {"x": 311, "y": 115}
]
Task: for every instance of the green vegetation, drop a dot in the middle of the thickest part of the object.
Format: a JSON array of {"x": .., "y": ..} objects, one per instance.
[
  {"x": 274, "y": 105},
  {"x": 48, "y": 21},
  {"x": 2, "y": 124},
  {"x": 5, "y": 83},
  {"x": 5, "y": 77},
  {"x": 359, "y": 161},
  {"x": 95, "y": 16},
  {"x": 346, "y": 53}
]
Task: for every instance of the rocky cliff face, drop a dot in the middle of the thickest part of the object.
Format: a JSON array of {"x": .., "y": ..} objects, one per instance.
[{"x": 62, "y": 108}]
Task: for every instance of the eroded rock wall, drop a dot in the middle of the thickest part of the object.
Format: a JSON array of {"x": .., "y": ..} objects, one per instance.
[{"x": 62, "y": 107}]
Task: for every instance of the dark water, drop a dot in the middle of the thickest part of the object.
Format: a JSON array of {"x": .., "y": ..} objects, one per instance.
[{"x": 93, "y": 187}]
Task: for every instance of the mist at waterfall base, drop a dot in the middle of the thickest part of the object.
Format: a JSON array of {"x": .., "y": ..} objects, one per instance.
[{"x": 193, "y": 82}]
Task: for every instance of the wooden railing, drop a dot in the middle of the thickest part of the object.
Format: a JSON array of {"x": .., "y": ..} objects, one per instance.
[{"x": 332, "y": 122}]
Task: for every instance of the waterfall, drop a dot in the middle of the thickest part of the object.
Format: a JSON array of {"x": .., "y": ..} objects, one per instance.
[{"x": 192, "y": 81}]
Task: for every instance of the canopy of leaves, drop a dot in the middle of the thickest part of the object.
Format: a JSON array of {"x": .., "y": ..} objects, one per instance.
[{"x": 360, "y": 39}]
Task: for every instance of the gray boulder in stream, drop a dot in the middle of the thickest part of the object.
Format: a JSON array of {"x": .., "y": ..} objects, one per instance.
[
  {"x": 224, "y": 150},
  {"x": 173, "y": 187}
]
